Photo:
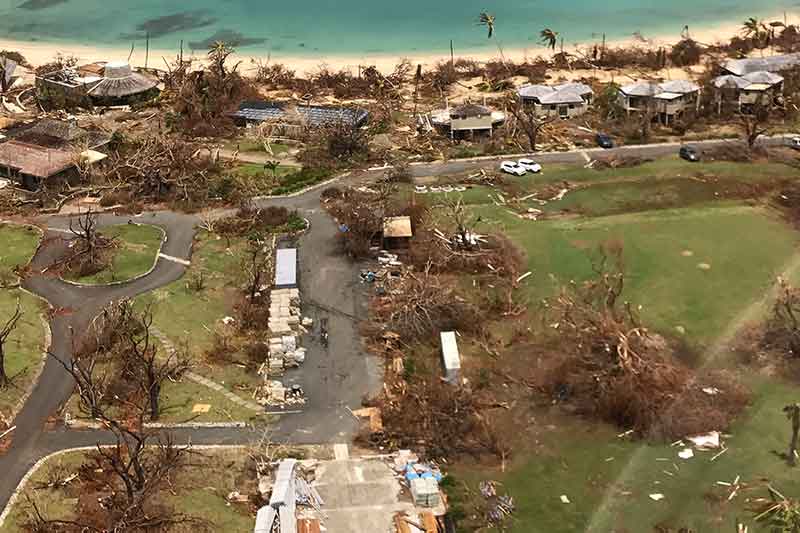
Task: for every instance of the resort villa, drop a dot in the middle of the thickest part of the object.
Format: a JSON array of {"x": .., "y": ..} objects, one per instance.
[
  {"x": 666, "y": 100},
  {"x": 466, "y": 120},
  {"x": 747, "y": 90},
  {"x": 564, "y": 100},
  {"x": 97, "y": 84}
]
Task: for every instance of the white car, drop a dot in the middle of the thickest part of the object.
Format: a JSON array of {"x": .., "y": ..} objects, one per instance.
[
  {"x": 530, "y": 165},
  {"x": 512, "y": 167},
  {"x": 794, "y": 142}
]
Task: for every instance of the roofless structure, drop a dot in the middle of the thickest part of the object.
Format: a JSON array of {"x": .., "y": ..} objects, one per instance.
[{"x": 97, "y": 84}]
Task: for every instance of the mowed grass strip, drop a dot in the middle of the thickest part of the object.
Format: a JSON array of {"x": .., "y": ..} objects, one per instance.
[
  {"x": 25, "y": 345},
  {"x": 134, "y": 254}
]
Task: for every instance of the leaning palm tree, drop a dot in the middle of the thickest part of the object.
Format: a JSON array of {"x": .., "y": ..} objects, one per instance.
[
  {"x": 549, "y": 38},
  {"x": 485, "y": 19},
  {"x": 751, "y": 27}
]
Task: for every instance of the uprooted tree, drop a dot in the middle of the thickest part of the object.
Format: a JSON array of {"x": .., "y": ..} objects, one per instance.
[
  {"x": 611, "y": 366},
  {"x": 5, "y": 332},
  {"x": 782, "y": 331}
]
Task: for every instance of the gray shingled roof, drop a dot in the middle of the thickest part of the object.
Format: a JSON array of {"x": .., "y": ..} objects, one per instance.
[
  {"x": 740, "y": 67},
  {"x": 679, "y": 86},
  {"x": 742, "y": 82},
  {"x": 769, "y": 78},
  {"x": 644, "y": 88},
  {"x": 312, "y": 115},
  {"x": 651, "y": 88},
  {"x": 563, "y": 96},
  {"x": 731, "y": 82},
  {"x": 534, "y": 91},
  {"x": 564, "y": 93}
]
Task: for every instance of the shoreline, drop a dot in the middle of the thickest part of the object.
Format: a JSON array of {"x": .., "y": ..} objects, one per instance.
[{"x": 39, "y": 52}]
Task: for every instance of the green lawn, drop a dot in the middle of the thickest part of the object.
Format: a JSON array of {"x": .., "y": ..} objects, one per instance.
[
  {"x": 134, "y": 255},
  {"x": 742, "y": 248},
  {"x": 25, "y": 345},
  {"x": 186, "y": 315},
  {"x": 198, "y": 489},
  {"x": 661, "y": 275},
  {"x": 664, "y": 183},
  {"x": 248, "y": 146}
]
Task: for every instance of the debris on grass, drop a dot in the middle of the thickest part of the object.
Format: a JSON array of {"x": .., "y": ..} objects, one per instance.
[
  {"x": 657, "y": 496},
  {"x": 686, "y": 453},
  {"x": 706, "y": 441},
  {"x": 564, "y": 499}
]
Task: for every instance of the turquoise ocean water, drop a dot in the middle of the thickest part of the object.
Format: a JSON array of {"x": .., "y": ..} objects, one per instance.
[{"x": 358, "y": 27}]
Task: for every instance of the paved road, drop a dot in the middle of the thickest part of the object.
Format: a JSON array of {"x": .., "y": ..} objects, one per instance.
[
  {"x": 572, "y": 157},
  {"x": 334, "y": 378}
]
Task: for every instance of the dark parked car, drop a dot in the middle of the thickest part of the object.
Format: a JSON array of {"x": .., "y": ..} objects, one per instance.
[
  {"x": 604, "y": 141},
  {"x": 689, "y": 153}
]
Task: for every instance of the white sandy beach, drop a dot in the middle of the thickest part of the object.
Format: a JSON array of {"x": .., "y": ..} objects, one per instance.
[{"x": 39, "y": 53}]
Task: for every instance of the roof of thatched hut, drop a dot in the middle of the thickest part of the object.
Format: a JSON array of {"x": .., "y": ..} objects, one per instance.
[{"x": 120, "y": 80}]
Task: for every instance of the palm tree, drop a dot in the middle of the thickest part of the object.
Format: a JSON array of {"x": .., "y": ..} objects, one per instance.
[
  {"x": 485, "y": 19},
  {"x": 752, "y": 28},
  {"x": 549, "y": 38}
]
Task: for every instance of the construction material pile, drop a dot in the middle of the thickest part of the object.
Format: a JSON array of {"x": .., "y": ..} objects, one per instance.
[{"x": 286, "y": 325}]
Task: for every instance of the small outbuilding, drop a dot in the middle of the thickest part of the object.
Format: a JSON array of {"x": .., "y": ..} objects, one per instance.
[
  {"x": 286, "y": 268},
  {"x": 451, "y": 359},
  {"x": 397, "y": 232}
]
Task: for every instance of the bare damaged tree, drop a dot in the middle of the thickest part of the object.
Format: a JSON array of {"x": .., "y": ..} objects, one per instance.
[
  {"x": 792, "y": 412},
  {"x": 461, "y": 218},
  {"x": 527, "y": 118},
  {"x": 5, "y": 332},
  {"x": 783, "y": 328},
  {"x": 140, "y": 459},
  {"x": 256, "y": 263},
  {"x": 754, "y": 123},
  {"x": 89, "y": 240},
  {"x": 143, "y": 366}
]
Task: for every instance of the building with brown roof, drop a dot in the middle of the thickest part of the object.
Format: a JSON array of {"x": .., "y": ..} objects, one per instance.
[{"x": 47, "y": 149}]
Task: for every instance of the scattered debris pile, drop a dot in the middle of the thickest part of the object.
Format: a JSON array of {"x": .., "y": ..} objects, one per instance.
[
  {"x": 291, "y": 500},
  {"x": 499, "y": 507}
]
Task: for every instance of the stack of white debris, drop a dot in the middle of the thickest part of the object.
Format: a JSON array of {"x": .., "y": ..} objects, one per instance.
[{"x": 286, "y": 325}]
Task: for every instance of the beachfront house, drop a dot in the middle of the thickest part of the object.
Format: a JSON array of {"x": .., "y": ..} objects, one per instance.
[
  {"x": 290, "y": 119},
  {"x": 102, "y": 84},
  {"x": 666, "y": 100},
  {"x": 564, "y": 100},
  {"x": 464, "y": 120},
  {"x": 744, "y": 92},
  {"x": 47, "y": 150},
  {"x": 749, "y": 65}
]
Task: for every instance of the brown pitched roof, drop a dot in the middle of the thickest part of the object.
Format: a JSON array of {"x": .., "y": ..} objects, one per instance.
[{"x": 34, "y": 160}]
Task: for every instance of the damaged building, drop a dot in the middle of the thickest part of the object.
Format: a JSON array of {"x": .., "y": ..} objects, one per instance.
[
  {"x": 100, "y": 84},
  {"x": 49, "y": 149}
]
